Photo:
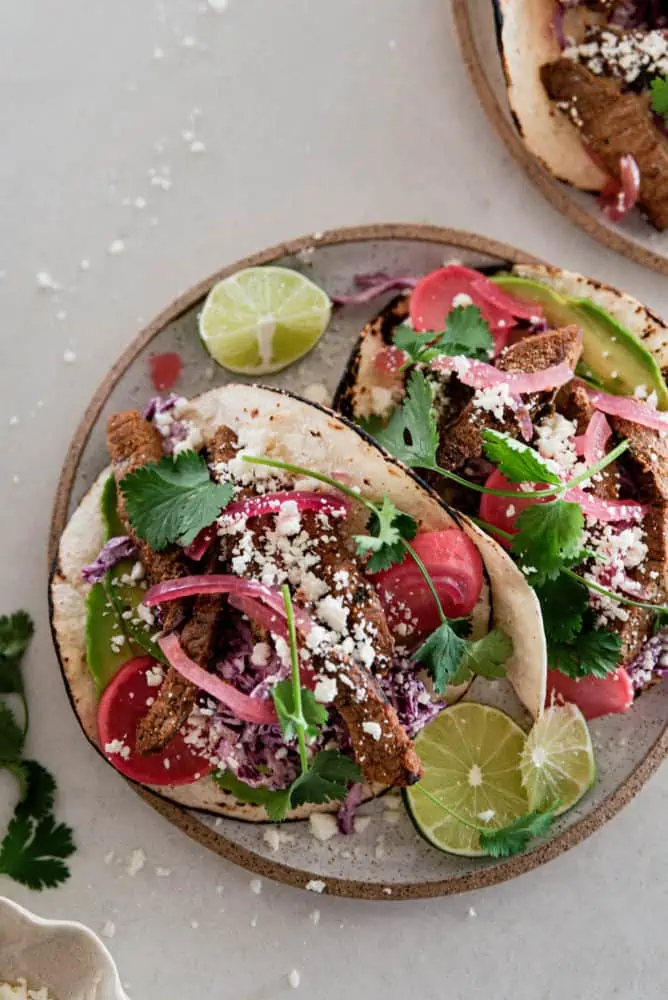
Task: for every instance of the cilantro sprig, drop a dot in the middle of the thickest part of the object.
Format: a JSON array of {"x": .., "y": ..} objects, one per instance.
[
  {"x": 173, "y": 500},
  {"x": 466, "y": 334},
  {"x": 444, "y": 654},
  {"x": 323, "y": 777},
  {"x": 35, "y": 847},
  {"x": 504, "y": 841},
  {"x": 411, "y": 435}
]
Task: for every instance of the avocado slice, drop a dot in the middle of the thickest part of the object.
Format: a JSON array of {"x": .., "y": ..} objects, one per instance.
[
  {"x": 611, "y": 356},
  {"x": 111, "y": 608},
  {"x": 102, "y": 623}
]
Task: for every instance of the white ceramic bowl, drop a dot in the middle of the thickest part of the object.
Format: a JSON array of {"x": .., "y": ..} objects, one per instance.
[{"x": 62, "y": 955}]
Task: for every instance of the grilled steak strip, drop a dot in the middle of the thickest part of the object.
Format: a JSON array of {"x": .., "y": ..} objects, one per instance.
[
  {"x": 462, "y": 442},
  {"x": 649, "y": 461},
  {"x": 391, "y": 759},
  {"x": 176, "y": 696},
  {"x": 613, "y": 124}
]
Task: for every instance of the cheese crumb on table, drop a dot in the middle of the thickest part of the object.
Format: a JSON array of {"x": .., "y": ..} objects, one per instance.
[
  {"x": 136, "y": 862},
  {"x": 294, "y": 979},
  {"x": 316, "y": 885}
]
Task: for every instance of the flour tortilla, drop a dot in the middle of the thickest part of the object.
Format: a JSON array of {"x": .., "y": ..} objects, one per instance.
[
  {"x": 527, "y": 41},
  {"x": 305, "y": 434}
]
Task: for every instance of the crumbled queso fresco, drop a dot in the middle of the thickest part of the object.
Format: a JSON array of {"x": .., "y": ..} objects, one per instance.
[
  {"x": 20, "y": 991},
  {"x": 288, "y": 553},
  {"x": 625, "y": 56}
]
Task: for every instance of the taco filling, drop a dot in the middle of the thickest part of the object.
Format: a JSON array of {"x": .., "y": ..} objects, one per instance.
[
  {"x": 271, "y": 632},
  {"x": 529, "y": 406},
  {"x": 603, "y": 68}
]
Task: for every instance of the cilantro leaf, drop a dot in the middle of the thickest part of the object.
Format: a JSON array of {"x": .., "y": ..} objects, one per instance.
[
  {"x": 173, "y": 500},
  {"x": 416, "y": 345},
  {"x": 11, "y": 736},
  {"x": 37, "y": 799},
  {"x": 487, "y": 656},
  {"x": 327, "y": 778},
  {"x": 466, "y": 333},
  {"x": 275, "y": 802},
  {"x": 16, "y": 631},
  {"x": 387, "y": 526},
  {"x": 441, "y": 654},
  {"x": 512, "y": 839},
  {"x": 313, "y": 714},
  {"x": 516, "y": 461},
  {"x": 33, "y": 852},
  {"x": 659, "y": 89},
  {"x": 411, "y": 434},
  {"x": 549, "y": 539},
  {"x": 20, "y": 774},
  {"x": 593, "y": 653},
  {"x": 563, "y": 602}
]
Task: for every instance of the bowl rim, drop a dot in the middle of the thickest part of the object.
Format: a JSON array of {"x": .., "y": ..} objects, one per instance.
[
  {"x": 487, "y": 874},
  {"x": 34, "y": 920}
]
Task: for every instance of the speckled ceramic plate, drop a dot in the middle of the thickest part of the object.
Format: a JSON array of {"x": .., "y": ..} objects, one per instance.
[
  {"x": 476, "y": 26},
  {"x": 389, "y": 860}
]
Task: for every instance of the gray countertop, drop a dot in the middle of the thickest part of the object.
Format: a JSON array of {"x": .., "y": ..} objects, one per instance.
[{"x": 305, "y": 115}]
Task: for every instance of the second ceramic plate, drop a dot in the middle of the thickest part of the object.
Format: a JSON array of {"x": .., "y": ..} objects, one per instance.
[{"x": 477, "y": 29}]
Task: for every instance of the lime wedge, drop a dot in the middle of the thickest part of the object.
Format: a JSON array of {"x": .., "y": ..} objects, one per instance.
[
  {"x": 261, "y": 319},
  {"x": 471, "y": 755},
  {"x": 557, "y": 763}
]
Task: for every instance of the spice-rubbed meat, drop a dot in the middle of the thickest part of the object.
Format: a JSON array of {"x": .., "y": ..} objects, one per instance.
[
  {"x": 382, "y": 748},
  {"x": 613, "y": 124},
  {"x": 381, "y": 745},
  {"x": 133, "y": 442},
  {"x": 176, "y": 696},
  {"x": 649, "y": 465},
  {"x": 573, "y": 403},
  {"x": 462, "y": 442}
]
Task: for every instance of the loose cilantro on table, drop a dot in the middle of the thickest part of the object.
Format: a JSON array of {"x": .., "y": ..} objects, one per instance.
[
  {"x": 35, "y": 847},
  {"x": 503, "y": 841},
  {"x": 173, "y": 500},
  {"x": 466, "y": 334},
  {"x": 659, "y": 96}
]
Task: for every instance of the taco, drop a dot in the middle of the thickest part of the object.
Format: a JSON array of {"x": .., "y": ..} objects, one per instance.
[
  {"x": 586, "y": 86},
  {"x": 174, "y": 633},
  {"x": 535, "y": 400}
]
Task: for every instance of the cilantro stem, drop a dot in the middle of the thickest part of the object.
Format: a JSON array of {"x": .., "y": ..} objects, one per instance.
[
  {"x": 26, "y": 713},
  {"x": 659, "y": 608},
  {"x": 427, "y": 578},
  {"x": 589, "y": 584},
  {"x": 553, "y": 491},
  {"x": 533, "y": 494},
  {"x": 299, "y": 470},
  {"x": 296, "y": 680},
  {"x": 612, "y": 456},
  {"x": 451, "y": 812}
]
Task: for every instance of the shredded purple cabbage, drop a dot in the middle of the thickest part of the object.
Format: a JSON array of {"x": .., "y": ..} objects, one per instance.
[
  {"x": 161, "y": 414},
  {"x": 114, "y": 551},
  {"x": 373, "y": 286},
  {"x": 651, "y": 662},
  {"x": 259, "y": 754},
  {"x": 346, "y": 814}
]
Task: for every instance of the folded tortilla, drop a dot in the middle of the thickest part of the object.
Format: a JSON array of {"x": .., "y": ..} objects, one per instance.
[{"x": 287, "y": 427}]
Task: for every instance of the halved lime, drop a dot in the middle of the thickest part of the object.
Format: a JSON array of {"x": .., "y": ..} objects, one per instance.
[
  {"x": 261, "y": 319},
  {"x": 471, "y": 756},
  {"x": 557, "y": 763}
]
